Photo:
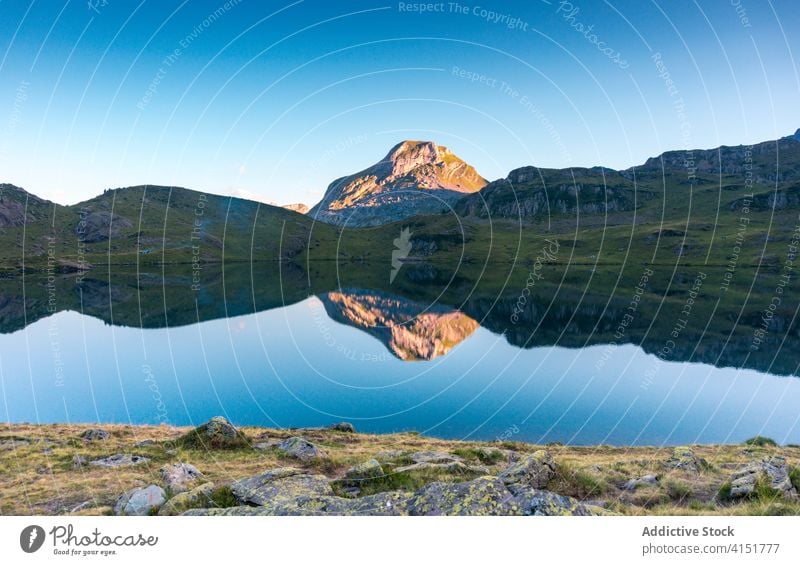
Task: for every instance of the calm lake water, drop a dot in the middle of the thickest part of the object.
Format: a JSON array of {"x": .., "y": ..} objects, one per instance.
[{"x": 384, "y": 363}]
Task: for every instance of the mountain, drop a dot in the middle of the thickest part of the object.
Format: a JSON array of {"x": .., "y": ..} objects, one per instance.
[
  {"x": 532, "y": 192},
  {"x": 151, "y": 224},
  {"x": 415, "y": 177},
  {"x": 299, "y": 207},
  {"x": 412, "y": 331}
]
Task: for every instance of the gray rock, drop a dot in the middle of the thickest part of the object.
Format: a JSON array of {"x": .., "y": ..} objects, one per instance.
[
  {"x": 140, "y": 501},
  {"x": 119, "y": 460},
  {"x": 534, "y": 502},
  {"x": 145, "y": 443},
  {"x": 363, "y": 472},
  {"x": 79, "y": 461},
  {"x": 343, "y": 427},
  {"x": 438, "y": 457},
  {"x": 179, "y": 476},
  {"x": 381, "y": 504},
  {"x": 301, "y": 448},
  {"x": 534, "y": 470},
  {"x": 485, "y": 496},
  {"x": 773, "y": 469},
  {"x": 633, "y": 484},
  {"x": 280, "y": 485},
  {"x": 217, "y": 433},
  {"x": 198, "y": 497},
  {"x": 95, "y": 434}
]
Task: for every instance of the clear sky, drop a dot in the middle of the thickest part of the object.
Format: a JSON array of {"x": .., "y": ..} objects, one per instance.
[{"x": 277, "y": 99}]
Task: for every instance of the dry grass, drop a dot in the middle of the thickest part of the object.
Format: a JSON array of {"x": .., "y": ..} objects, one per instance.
[{"x": 37, "y": 475}]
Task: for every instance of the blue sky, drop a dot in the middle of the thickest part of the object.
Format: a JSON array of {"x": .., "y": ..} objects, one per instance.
[{"x": 277, "y": 99}]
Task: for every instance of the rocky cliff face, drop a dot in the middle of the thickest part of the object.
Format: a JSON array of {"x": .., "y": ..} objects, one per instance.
[
  {"x": 18, "y": 207},
  {"x": 415, "y": 177},
  {"x": 411, "y": 331}
]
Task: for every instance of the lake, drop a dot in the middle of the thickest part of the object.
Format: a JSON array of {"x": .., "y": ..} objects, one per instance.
[{"x": 271, "y": 349}]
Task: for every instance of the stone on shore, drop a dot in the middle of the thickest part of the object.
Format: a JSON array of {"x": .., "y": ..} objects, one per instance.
[{"x": 140, "y": 501}]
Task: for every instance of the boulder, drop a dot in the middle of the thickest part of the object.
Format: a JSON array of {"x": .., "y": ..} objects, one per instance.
[
  {"x": 534, "y": 470},
  {"x": 382, "y": 504},
  {"x": 644, "y": 480},
  {"x": 280, "y": 485},
  {"x": 485, "y": 496},
  {"x": 363, "y": 472},
  {"x": 196, "y": 498},
  {"x": 217, "y": 433},
  {"x": 300, "y": 448},
  {"x": 772, "y": 469},
  {"x": 179, "y": 476},
  {"x": 140, "y": 501},
  {"x": 346, "y": 427},
  {"x": 95, "y": 434},
  {"x": 119, "y": 460},
  {"x": 684, "y": 459}
]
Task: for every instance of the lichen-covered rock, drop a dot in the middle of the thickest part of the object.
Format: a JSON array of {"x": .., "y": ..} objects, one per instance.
[
  {"x": 95, "y": 434},
  {"x": 300, "y": 448},
  {"x": 534, "y": 470},
  {"x": 179, "y": 476},
  {"x": 140, "y": 501},
  {"x": 684, "y": 459},
  {"x": 280, "y": 485},
  {"x": 363, "y": 472},
  {"x": 181, "y": 502},
  {"x": 119, "y": 460},
  {"x": 346, "y": 427},
  {"x": 534, "y": 502},
  {"x": 217, "y": 433},
  {"x": 774, "y": 471},
  {"x": 485, "y": 496}
]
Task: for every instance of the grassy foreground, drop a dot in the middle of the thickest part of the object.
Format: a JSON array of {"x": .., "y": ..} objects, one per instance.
[{"x": 39, "y": 474}]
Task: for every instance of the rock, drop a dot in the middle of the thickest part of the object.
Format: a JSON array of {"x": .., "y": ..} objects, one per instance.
[
  {"x": 79, "y": 461},
  {"x": 301, "y": 448},
  {"x": 140, "y": 501},
  {"x": 773, "y": 469},
  {"x": 684, "y": 459},
  {"x": 145, "y": 443},
  {"x": 534, "y": 470},
  {"x": 181, "y": 502},
  {"x": 217, "y": 433},
  {"x": 280, "y": 485},
  {"x": 534, "y": 502},
  {"x": 633, "y": 484},
  {"x": 343, "y": 427},
  {"x": 120, "y": 460},
  {"x": 485, "y": 496},
  {"x": 381, "y": 504},
  {"x": 95, "y": 434},
  {"x": 438, "y": 457},
  {"x": 449, "y": 467},
  {"x": 363, "y": 472},
  {"x": 178, "y": 476},
  {"x": 82, "y": 506}
]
